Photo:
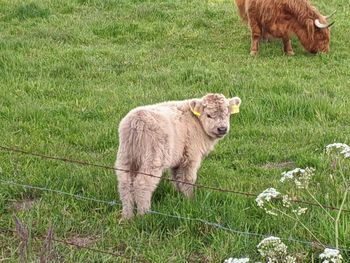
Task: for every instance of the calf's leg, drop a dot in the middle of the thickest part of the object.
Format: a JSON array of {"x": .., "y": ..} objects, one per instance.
[
  {"x": 125, "y": 190},
  {"x": 188, "y": 175},
  {"x": 144, "y": 187}
]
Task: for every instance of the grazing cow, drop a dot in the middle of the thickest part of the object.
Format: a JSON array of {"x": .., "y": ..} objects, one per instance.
[
  {"x": 175, "y": 135},
  {"x": 284, "y": 18}
]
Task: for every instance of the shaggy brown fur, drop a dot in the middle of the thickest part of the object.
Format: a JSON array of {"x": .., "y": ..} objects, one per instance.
[
  {"x": 175, "y": 135},
  {"x": 282, "y": 19}
]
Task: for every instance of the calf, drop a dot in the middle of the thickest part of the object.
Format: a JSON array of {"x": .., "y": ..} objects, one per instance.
[{"x": 175, "y": 135}]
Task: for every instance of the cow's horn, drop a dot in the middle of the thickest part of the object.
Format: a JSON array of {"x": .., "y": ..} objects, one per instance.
[
  {"x": 320, "y": 25},
  {"x": 329, "y": 16}
]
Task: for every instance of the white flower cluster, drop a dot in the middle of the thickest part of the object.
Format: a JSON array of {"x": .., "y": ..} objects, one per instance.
[
  {"x": 300, "y": 210},
  {"x": 331, "y": 256},
  {"x": 301, "y": 177},
  {"x": 286, "y": 200},
  {"x": 237, "y": 260},
  {"x": 345, "y": 149},
  {"x": 265, "y": 197},
  {"x": 274, "y": 250},
  {"x": 290, "y": 259}
]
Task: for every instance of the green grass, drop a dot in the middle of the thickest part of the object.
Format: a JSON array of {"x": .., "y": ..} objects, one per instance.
[{"x": 70, "y": 70}]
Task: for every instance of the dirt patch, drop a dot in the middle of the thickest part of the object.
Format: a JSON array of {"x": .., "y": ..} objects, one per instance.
[
  {"x": 197, "y": 257},
  {"x": 281, "y": 165},
  {"x": 121, "y": 248},
  {"x": 24, "y": 205},
  {"x": 81, "y": 241}
]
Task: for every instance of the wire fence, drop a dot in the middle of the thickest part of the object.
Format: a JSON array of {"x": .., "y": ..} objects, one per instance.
[
  {"x": 179, "y": 217},
  {"x": 174, "y": 216},
  {"x": 223, "y": 190}
]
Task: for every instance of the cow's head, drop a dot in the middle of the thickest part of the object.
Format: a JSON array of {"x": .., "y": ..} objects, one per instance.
[
  {"x": 213, "y": 111},
  {"x": 318, "y": 34}
]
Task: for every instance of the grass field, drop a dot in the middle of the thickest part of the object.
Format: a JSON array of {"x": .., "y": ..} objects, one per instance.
[{"x": 71, "y": 69}]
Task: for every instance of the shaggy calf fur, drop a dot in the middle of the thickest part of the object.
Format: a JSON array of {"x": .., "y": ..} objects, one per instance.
[
  {"x": 175, "y": 135},
  {"x": 284, "y": 18}
]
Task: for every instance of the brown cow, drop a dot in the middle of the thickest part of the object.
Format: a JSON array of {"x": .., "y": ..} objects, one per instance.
[{"x": 284, "y": 18}]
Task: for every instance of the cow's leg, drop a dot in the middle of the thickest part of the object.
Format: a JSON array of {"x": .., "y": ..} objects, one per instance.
[
  {"x": 265, "y": 35},
  {"x": 287, "y": 46},
  {"x": 125, "y": 189},
  {"x": 144, "y": 187},
  {"x": 188, "y": 175},
  {"x": 256, "y": 32},
  {"x": 176, "y": 173}
]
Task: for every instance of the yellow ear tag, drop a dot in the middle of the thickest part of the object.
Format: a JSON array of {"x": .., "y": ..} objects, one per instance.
[
  {"x": 196, "y": 113},
  {"x": 234, "y": 109}
]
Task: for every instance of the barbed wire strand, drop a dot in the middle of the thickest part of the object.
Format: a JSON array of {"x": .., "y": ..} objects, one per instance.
[
  {"x": 216, "y": 225},
  {"x": 64, "y": 159},
  {"x": 79, "y": 162},
  {"x": 76, "y": 196},
  {"x": 68, "y": 243}
]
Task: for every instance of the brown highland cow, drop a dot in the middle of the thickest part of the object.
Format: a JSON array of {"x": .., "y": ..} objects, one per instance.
[{"x": 283, "y": 19}]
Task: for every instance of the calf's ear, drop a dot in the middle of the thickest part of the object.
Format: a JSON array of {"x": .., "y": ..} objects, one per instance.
[
  {"x": 196, "y": 107},
  {"x": 234, "y": 104}
]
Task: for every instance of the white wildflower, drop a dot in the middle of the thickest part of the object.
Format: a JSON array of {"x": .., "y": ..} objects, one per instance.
[
  {"x": 265, "y": 197},
  {"x": 345, "y": 149},
  {"x": 300, "y": 177},
  {"x": 286, "y": 200},
  {"x": 300, "y": 210},
  {"x": 237, "y": 260},
  {"x": 331, "y": 255},
  {"x": 290, "y": 174},
  {"x": 270, "y": 212},
  {"x": 290, "y": 259},
  {"x": 273, "y": 249}
]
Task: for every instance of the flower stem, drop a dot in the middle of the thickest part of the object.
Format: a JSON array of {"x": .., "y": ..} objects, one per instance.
[
  {"x": 338, "y": 217},
  {"x": 313, "y": 197},
  {"x": 304, "y": 226}
]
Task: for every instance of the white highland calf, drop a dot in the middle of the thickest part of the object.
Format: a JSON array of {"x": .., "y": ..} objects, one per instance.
[{"x": 175, "y": 135}]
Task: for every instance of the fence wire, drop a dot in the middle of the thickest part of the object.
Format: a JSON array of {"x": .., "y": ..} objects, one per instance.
[
  {"x": 179, "y": 217},
  {"x": 85, "y": 163}
]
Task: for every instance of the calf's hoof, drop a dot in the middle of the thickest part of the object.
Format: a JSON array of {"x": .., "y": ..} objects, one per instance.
[
  {"x": 124, "y": 221},
  {"x": 142, "y": 211},
  {"x": 253, "y": 53},
  {"x": 127, "y": 215},
  {"x": 189, "y": 194}
]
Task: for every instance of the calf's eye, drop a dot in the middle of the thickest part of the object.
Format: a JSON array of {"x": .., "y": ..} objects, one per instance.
[{"x": 209, "y": 116}]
